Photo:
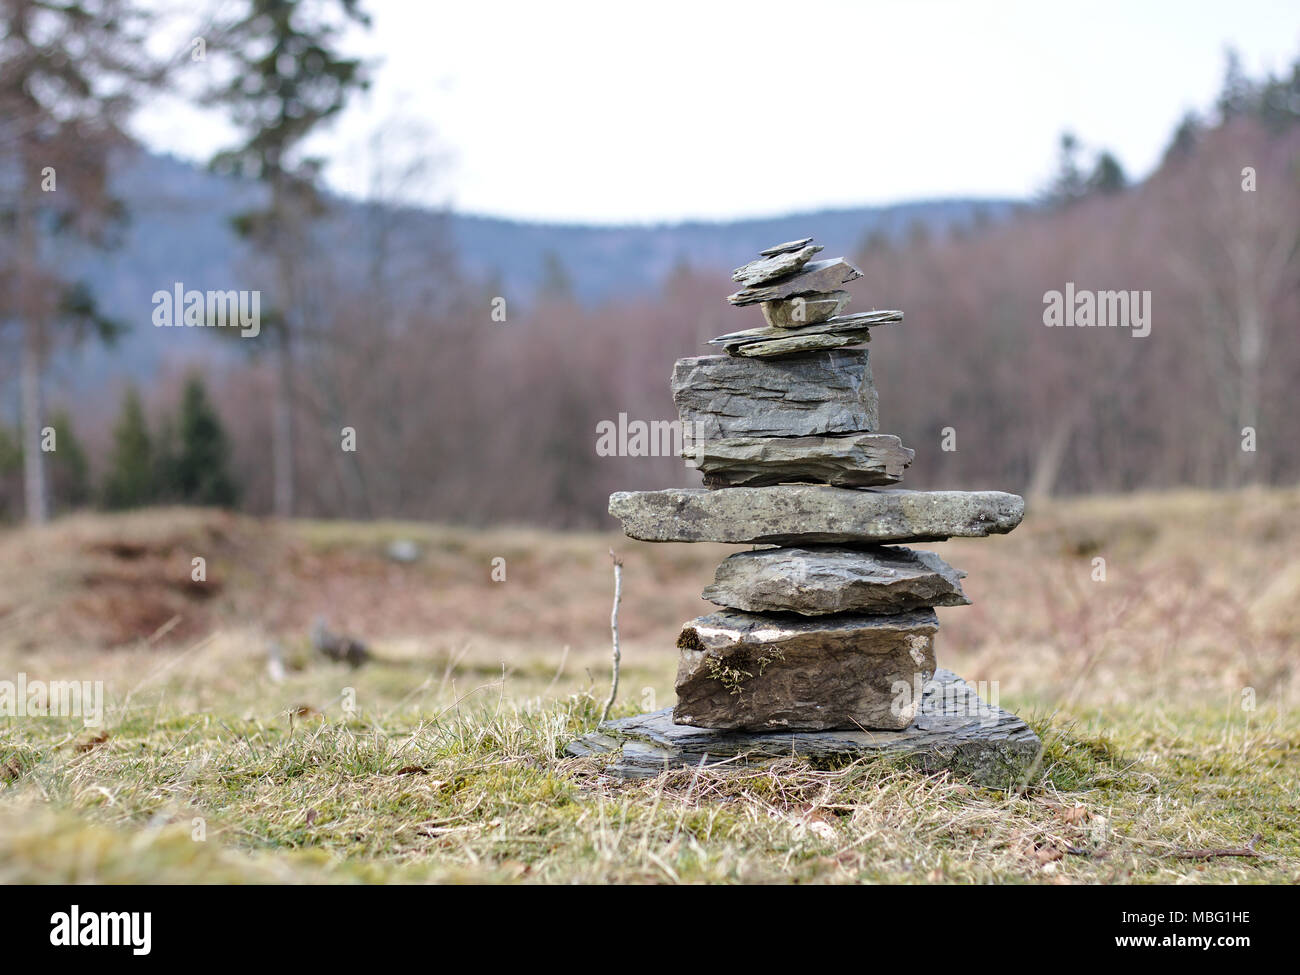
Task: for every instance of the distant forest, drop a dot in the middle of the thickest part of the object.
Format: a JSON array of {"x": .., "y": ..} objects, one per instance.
[{"x": 460, "y": 417}]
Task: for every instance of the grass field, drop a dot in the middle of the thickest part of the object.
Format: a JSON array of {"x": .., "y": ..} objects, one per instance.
[{"x": 1166, "y": 695}]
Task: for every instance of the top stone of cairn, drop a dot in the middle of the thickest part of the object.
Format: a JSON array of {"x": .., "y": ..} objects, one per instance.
[
  {"x": 775, "y": 266},
  {"x": 802, "y": 301},
  {"x": 789, "y": 245}
]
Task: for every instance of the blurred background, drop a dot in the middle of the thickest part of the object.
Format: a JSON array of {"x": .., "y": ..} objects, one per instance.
[
  {"x": 475, "y": 234},
  {"x": 383, "y": 172}
]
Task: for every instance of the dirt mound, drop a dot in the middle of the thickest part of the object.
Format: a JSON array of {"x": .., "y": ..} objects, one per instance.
[{"x": 114, "y": 580}]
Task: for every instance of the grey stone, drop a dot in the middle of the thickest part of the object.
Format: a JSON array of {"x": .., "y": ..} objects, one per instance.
[
  {"x": 825, "y": 275},
  {"x": 804, "y": 309},
  {"x": 776, "y": 266},
  {"x": 837, "y": 332},
  {"x": 806, "y": 342},
  {"x": 842, "y": 323},
  {"x": 820, "y": 580},
  {"x": 789, "y": 245},
  {"x": 801, "y": 514},
  {"x": 863, "y": 319},
  {"x": 847, "y": 460},
  {"x": 762, "y": 673},
  {"x": 811, "y": 395},
  {"x": 954, "y": 731},
  {"x": 403, "y": 550}
]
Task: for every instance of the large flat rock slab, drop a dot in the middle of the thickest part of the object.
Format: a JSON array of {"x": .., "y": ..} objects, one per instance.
[
  {"x": 761, "y": 672},
  {"x": 826, "y": 579},
  {"x": 846, "y": 460},
  {"x": 799, "y": 514},
  {"x": 719, "y": 396},
  {"x": 954, "y": 730}
]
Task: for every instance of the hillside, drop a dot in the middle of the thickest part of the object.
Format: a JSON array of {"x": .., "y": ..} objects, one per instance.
[{"x": 179, "y": 230}]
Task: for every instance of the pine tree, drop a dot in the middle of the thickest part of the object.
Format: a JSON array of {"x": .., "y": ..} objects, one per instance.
[
  {"x": 130, "y": 479},
  {"x": 556, "y": 282},
  {"x": 1184, "y": 139},
  {"x": 1067, "y": 185},
  {"x": 199, "y": 471},
  {"x": 69, "y": 470},
  {"x": 165, "y": 489},
  {"x": 288, "y": 78},
  {"x": 69, "y": 70},
  {"x": 11, "y": 465},
  {"x": 1107, "y": 175}
]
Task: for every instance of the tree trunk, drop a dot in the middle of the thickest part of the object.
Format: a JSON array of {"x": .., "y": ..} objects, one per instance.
[
  {"x": 283, "y": 241},
  {"x": 1047, "y": 465},
  {"x": 282, "y": 426},
  {"x": 33, "y": 457},
  {"x": 31, "y": 366},
  {"x": 1251, "y": 350}
]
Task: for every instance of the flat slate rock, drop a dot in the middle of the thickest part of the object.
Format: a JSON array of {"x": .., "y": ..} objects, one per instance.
[
  {"x": 789, "y": 245},
  {"x": 719, "y": 396},
  {"x": 807, "y": 342},
  {"x": 804, "y": 309},
  {"x": 955, "y": 731},
  {"x": 801, "y": 514},
  {"x": 824, "y": 579},
  {"x": 825, "y": 275},
  {"x": 840, "y": 323},
  {"x": 775, "y": 266},
  {"x": 846, "y": 460},
  {"x": 764, "y": 673}
]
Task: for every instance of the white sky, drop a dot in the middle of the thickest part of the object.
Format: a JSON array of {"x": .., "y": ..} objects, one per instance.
[{"x": 609, "y": 112}]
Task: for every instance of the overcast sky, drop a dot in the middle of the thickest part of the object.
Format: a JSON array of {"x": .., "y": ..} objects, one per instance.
[{"x": 610, "y": 112}]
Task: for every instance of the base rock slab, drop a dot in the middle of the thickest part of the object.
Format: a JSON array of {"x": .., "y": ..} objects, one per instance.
[{"x": 954, "y": 730}]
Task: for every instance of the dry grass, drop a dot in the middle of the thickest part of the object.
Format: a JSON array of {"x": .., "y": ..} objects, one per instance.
[{"x": 449, "y": 767}]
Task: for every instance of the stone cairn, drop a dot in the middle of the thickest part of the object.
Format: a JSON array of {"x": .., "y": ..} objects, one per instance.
[{"x": 824, "y": 643}]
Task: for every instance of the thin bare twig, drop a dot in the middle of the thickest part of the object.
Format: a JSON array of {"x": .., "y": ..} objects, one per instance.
[
  {"x": 613, "y": 626},
  {"x": 1232, "y": 851}
]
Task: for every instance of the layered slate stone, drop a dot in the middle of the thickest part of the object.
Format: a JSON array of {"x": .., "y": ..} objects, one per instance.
[
  {"x": 800, "y": 514},
  {"x": 742, "y": 671},
  {"x": 827, "y": 275},
  {"x": 804, "y": 309},
  {"x": 809, "y": 395},
  {"x": 821, "y": 580},
  {"x": 954, "y": 730},
  {"x": 800, "y": 343},
  {"x": 835, "y": 325},
  {"x": 789, "y": 245},
  {"x": 846, "y": 460},
  {"x": 773, "y": 266}
]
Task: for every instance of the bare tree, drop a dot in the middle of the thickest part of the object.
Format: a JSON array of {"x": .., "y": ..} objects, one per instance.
[{"x": 69, "y": 72}]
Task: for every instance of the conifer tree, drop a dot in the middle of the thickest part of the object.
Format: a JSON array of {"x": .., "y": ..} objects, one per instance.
[
  {"x": 69, "y": 470},
  {"x": 129, "y": 482},
  {"x": 287, "y": 79},
  {"x": 69, "y": 71},
  {"x": 199, "y": 471}
]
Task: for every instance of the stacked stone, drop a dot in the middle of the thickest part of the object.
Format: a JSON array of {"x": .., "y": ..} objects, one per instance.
[{"x": 832, "y": 624}]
